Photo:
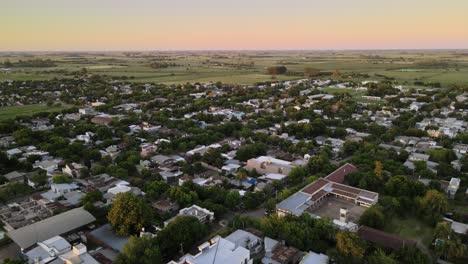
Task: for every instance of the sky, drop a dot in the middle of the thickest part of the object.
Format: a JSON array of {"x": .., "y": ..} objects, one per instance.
[{"x": 118, "y": 25}]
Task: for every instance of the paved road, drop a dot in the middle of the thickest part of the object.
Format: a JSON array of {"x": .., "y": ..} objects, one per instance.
[{"x": 258, "y": 213}]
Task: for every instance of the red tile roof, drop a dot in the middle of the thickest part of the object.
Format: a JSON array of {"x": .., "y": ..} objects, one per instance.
[
  {"x": 345, "y": 188},
  {"x": 315, "y": 186},
  {"x": 384, "y": 239},
  {"x": 318, "y": 195},
  {"x": 343, "y": 193},
  {"x": 339, "y": 174}
]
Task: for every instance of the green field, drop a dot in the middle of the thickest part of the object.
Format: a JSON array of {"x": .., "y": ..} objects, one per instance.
[
  {"x": 247, "y": 67},
  {"x": 411, "y": 228},
  {"x": 26, "y": 110}
]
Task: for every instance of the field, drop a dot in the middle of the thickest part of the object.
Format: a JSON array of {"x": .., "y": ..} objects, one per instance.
[
  {"x": 247, "y": 67},
  {"x": 26, "y": 110},
  {"x": 411, "y": 228}
]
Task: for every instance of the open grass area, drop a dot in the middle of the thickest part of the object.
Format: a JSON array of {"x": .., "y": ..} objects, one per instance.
[
  {"x": 27, "y": 110},
  {"x": 411, "y": 228}
]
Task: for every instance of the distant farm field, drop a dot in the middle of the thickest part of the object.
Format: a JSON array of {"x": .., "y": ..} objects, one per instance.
[
  {"x": 26, "y": 110},
  {"x": 248, "y": 67}
]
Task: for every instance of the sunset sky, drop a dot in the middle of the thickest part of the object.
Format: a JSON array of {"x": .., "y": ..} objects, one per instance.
[{"x": 64, "y": 25}]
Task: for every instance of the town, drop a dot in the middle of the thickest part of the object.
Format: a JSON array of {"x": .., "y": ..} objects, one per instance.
[{"x": 307, "y": 171}]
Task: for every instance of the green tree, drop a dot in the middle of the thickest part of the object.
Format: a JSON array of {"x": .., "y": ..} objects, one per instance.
[
  {"x": 128, "y": 214},
  {"x": 434, "y": 204},
  {"x": 180, "y": 235},
  {"x": 379, "y": 257},
  {"x": 297, "y": 175},
  {"x": 251, "y": 151},
  {"x": 350, "y": 245},
  {"x": 373, "y": 217},
  {"x": 155, "y": 189},
  {"x": 39, "y": 179},
  {"x": 61, "y": 178},
  {"x": 140, "y": 250},
  {"x": 13, "y": 261},
  {"x": 233, "y": 199}
]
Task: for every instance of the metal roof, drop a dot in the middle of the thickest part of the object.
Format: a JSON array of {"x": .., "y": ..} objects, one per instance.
[{"x": 27, "y": 236}]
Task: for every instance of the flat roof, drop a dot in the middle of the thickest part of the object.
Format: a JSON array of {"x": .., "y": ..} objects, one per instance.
[
  {"x": 293, "y": 202},
  {"x": 27, "y": 236}
]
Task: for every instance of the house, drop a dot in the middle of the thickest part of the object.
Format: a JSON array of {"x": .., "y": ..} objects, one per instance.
[
  {"x": 246, "y": 240},
  {"x": 101, "y": 182},
  {"x": 457, "y": 227},
  {"x": 418, "y": 157},
  {"x": 202, "y": 149},
  {"x": 203, "y": 215},
  {"x": 48, "y": 165},
  {"x": 121, "y": 188},
  {"x": 15, "y": 176},
  {"x": 460, "y": 149},
  {"x": 170, "y": 175},
  {"x": 453, "y": 187},
  {"x": 165, "y": 206},
  {"x": 217, "y": 251},
  {"x": 266, "y": 164},
  {"x": 72, "y": 117},
  {"x": 59, "y": 250},
  {"x": 87, "y": 137},
  {"x": 103, "y": 120},
  {"x": 105, "y": 237},
  {"x": 146, "y": 149},
  {"x": 230, "y": 168},
  {"x": 272, "y": 177},
  {"x": 73, "y": 169},
  {"x": 63, "y": 188},
  {"x": 314, "y": 258},
  {"x": 13, "y": 152},
  {"x": 162, "y": 160},
  {"x": 278, "y": 253}
]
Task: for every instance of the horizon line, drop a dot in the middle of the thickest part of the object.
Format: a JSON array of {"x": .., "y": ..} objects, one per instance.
[{"x": 236, "y": 50}]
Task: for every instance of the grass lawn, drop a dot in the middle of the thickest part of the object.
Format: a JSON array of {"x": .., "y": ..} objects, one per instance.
[
  {"x": 411, "y": 228},
  {"x": 27, "y": 110}
]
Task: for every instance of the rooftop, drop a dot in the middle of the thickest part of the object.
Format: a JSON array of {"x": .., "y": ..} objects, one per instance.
[{"x": 27, "y": 236}]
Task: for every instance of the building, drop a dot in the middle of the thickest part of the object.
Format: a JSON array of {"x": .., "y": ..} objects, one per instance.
[
  {"x": 278, "y": 253},
  {"x": 165, "y": 206},
  {"x": 203, "y": 215},
  {"x": 105, "y": 237},
  {"x": 384, "y": 239},
  {"x": 265, "y": 164},
  {"x": 217, "y": 251},
  {"x": 17, "y": 215},
  {"x": 63, "y": 188},
  {"x": 314, "y": 194},
  {"x": 103, "y": 120},
  {"x": 15, "y": 176},
  {"x": 58, "y": 250},
  {"x": 453, "y": 187},
  {"x": 101, "y": 182},
  {"x": 27, "y": 236},
  {"x": 246, "y": 240},
  {"x": 314, "y": 258},
  {"x": 121, "y": 188},
  {"x": 73, "y": 169}
]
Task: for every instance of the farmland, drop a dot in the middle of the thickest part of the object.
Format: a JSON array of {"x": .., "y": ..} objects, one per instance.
[
  {"x": 247, "y": 67},
  {"x": 27, "y": 110}
]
